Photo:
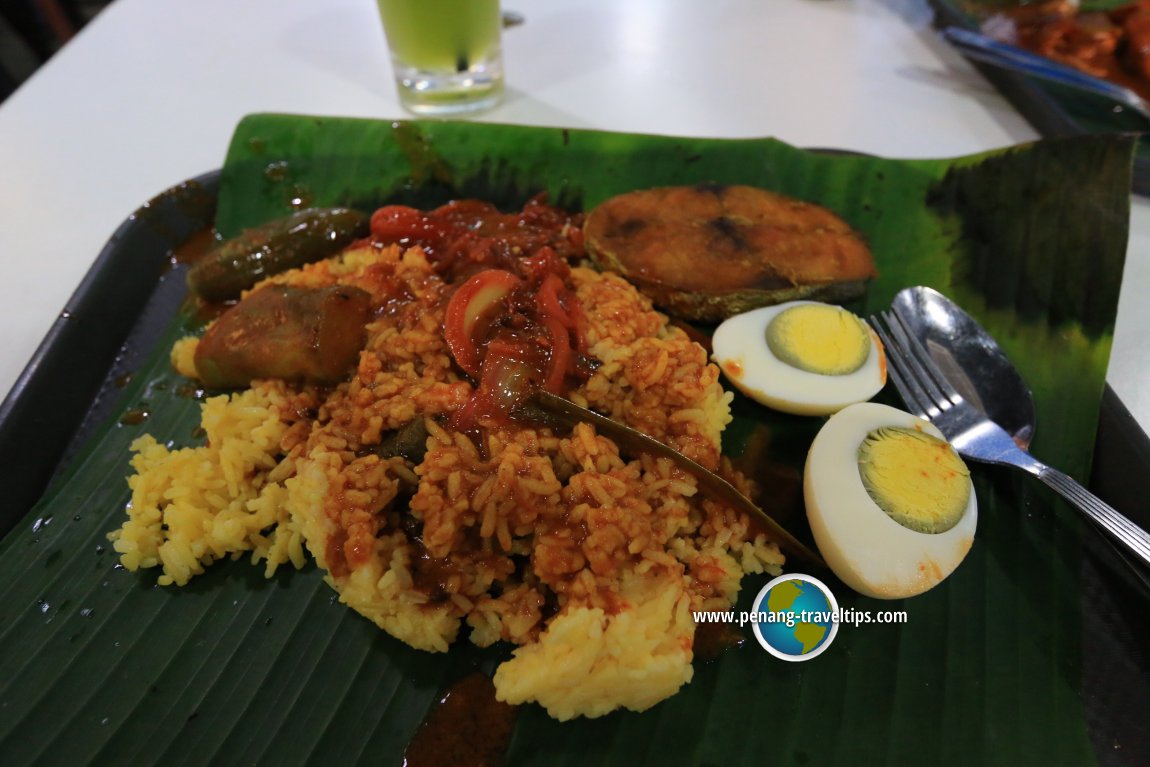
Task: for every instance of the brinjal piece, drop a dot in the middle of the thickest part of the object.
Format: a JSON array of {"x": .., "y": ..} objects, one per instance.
[{"x": 288, "y": 332}]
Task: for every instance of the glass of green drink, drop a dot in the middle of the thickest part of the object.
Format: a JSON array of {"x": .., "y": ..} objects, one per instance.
[{"x": 445, "y": 54}]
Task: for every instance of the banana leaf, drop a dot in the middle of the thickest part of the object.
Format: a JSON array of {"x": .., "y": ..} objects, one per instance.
[{"x": 100, "y": 665}]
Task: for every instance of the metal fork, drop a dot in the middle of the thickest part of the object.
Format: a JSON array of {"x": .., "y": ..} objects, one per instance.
[{"x": 928, "y": 393}]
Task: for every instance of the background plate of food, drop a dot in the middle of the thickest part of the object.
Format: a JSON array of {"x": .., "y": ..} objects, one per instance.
[{"x": 1100, "y": 38}]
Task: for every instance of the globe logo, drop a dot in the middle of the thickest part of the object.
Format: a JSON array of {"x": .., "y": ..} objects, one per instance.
[{"x": 796, "y": 617}]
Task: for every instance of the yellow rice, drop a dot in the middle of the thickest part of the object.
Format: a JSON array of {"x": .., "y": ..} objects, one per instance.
[{"x": 589, "y": 560}]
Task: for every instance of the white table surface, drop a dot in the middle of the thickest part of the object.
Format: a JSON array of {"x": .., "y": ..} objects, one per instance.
[{"x": 148, "y": 95}]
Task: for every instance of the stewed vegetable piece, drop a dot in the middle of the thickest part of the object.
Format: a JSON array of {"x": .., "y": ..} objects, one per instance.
[
  {"x": 288, "y": 332},
  {"x": 235, "y": 265}
]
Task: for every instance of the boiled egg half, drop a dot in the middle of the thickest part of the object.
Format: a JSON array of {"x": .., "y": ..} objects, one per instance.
[
  {"x": 801, "y": 357},
  {"x": 890, "y": 502}
]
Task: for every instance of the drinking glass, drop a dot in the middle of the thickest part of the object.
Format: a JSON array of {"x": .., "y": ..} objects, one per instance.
[{"x": 445, "y": 53}]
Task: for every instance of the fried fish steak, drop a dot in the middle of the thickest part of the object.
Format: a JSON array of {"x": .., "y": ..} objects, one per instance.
[{"x": 706, "y": 252}]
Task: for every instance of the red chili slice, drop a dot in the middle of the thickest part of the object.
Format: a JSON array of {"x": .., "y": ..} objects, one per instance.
[
  {"x": 560, "y": 355},
  {"x": 548, "y": 300},
  {"x": 474, "y": 300}
]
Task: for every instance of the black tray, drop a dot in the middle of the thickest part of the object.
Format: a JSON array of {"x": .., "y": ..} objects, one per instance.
[
  {"x": 118, "y": 314},
  {"x": 112, "y": 321},
  {"x": 1053, "y": 110}
]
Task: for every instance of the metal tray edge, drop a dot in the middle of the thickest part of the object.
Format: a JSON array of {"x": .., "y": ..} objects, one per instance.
[{"x": 67, "y": 383}]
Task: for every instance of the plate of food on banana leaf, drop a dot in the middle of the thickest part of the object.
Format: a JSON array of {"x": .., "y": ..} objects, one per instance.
[{"x": 433, "y": 443}]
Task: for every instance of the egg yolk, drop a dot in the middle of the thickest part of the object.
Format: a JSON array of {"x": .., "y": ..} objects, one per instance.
[
  {"x": 819, "y": 338},
  {"x": 916, "y": 478}
]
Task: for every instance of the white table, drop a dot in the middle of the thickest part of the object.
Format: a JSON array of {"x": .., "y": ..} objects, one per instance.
[{"x": 148, "y": 94}]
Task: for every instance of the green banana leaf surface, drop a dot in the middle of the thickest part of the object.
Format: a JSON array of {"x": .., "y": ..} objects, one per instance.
[{"x": 100, "y": 665}]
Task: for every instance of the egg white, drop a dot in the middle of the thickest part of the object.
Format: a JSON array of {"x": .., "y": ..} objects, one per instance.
[
  {"x": 739, "y": 347},
  {"x": 864, "y": 547}
]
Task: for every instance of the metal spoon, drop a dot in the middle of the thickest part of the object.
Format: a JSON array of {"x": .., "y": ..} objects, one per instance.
[
  {"x": 979, "y": 370},
  {"x": 970, "y": 359}
]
